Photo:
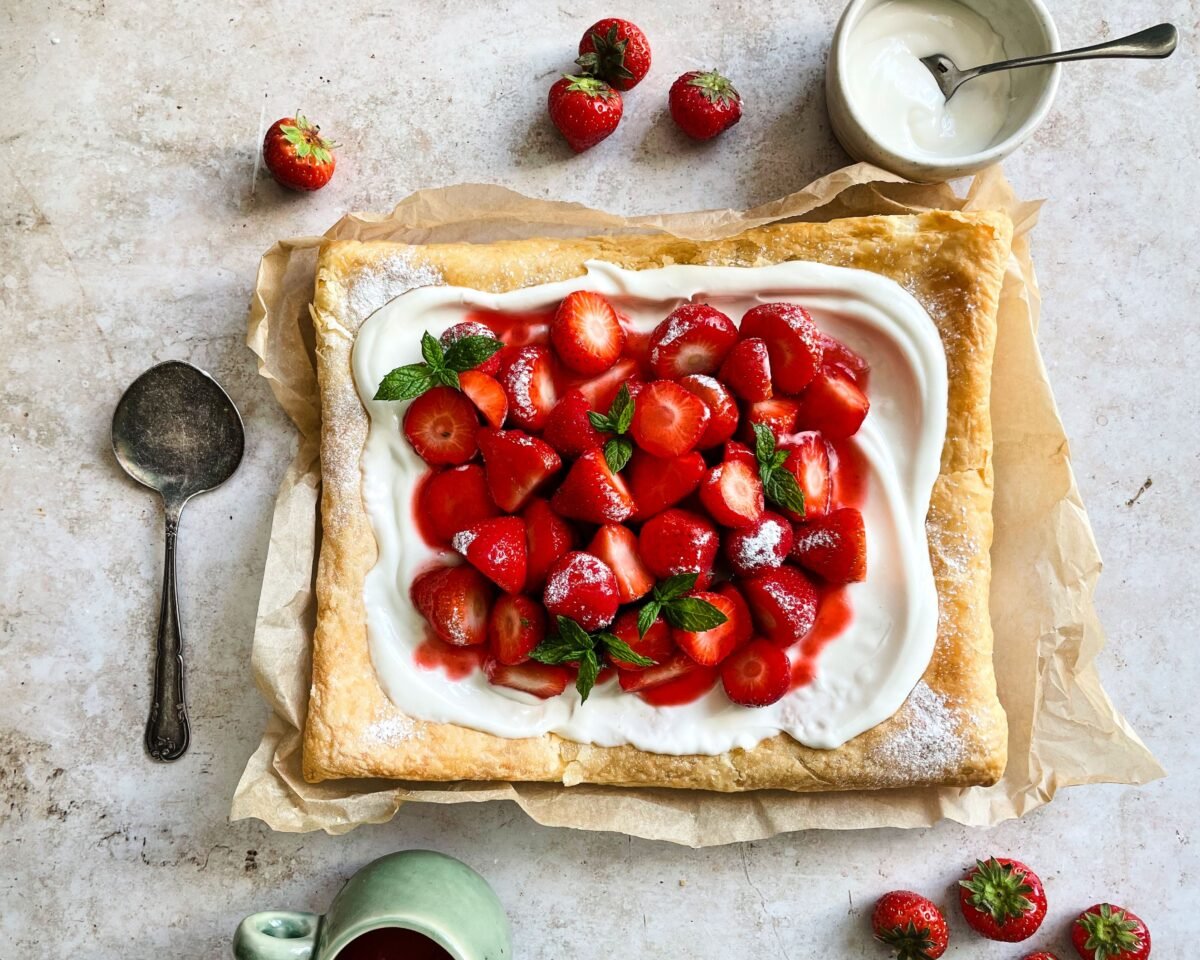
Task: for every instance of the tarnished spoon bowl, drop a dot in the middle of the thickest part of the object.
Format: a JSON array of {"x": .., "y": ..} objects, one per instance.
[{"x": 177, "y": 432}]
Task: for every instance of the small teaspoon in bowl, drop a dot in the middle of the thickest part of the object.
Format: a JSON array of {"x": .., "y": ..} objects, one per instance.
[
  {"x": 175, "y": 431},
  {"x": 1154, "y": 43}
]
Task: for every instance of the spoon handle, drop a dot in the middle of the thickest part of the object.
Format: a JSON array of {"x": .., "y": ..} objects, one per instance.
[
  {"x": 1153, "y": 43},
  {"x": 167, "y": 732}
]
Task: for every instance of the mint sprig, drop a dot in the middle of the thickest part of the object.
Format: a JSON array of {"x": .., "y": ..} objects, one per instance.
[
  {"x": 619, "y": 449},
  {"x": 440, "y": 367},
  {"x": 779, "y": 484},
  {"x": 670, "y": 599},
  {"x": 573, "y": 644}
]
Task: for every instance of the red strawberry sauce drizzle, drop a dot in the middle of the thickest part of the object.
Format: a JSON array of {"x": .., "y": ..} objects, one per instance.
[{"x": 849, "y": 475}]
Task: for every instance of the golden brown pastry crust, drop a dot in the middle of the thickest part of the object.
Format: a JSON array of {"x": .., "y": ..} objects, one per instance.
[{"x": 951, "y": 730}]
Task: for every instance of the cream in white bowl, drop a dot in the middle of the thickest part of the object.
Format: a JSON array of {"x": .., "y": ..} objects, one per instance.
[{"x": 886, "y": 107}]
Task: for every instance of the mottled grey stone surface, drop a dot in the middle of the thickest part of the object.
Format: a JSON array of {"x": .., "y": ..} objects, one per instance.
[{"x": 132, "y": 216}]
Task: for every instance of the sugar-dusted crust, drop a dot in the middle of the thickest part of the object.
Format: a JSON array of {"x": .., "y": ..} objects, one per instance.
[{"x": 951, "y": 730}]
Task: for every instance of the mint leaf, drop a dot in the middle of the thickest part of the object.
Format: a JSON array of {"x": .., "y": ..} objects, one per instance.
[
  {"x": 572, "y": 632},
  {"x": 589, "y": 669},
  {"x": 647, "y": 615},
  {"x": 559, "y": 649},
  {"x": 781, "y": 488},
  {"x": 674, "y": 587},
  {"x": 470, "y": 352},
  {"x": 693, "y": 614},
  {"x": 621, "y": 411},
  {"x": 447, "y": 378},
  {"x": 404, "y": 383},
  {"x": 600, "y": 421},
  {"x": 764, "y": 443},
  {"x": 616, "y": 647},
  {"x": 431, "y": 350},
  {"x": 617, "y": 453}
]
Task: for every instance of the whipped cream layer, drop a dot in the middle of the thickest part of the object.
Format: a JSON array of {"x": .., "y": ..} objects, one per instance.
[{"x": 862, "y": 676}]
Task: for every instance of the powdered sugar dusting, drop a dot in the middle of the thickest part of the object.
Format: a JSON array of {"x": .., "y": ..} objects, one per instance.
[
  {"x": 462, "y": 540},
  {"x": 930, "y": 744},
  {"x": 759, "y": 546},
  {"x": 392, "y": 729},
  {"x": 375, "y": 285}
]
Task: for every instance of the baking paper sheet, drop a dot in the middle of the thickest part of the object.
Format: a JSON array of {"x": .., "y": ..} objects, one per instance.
[{"x": 1063, "y": 729}]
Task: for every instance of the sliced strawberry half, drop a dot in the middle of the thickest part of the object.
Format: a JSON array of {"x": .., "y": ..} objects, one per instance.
[
  {"x": 678, "y": 541},
  {"x": 454, "y": 499},
  {"x": 757, "y": 675},
  {"x": 583, "y": 588},
  {"x": 496, "y": 548},
  {"x": 616, "y": 545},
  {"x": 656, "y": 645},
  {"x": 472, "y": 328},
  {"x": 601, "y": 390},
  {"x": 656, "y": 483},
  {"x": 747, "y": 370},
  {"x": 808, "y": 462},
  {"x": 540, "y": 679},
  {"x": 833, "y": 404},
  {"x": 741, "y": 610},
  {"x": 547, "y": 537},
  {"x": 836, "y": 353},
  {"x": 592, "y": 492},
  {"x": 528, "y": 379},
  {"x": 668, "y": 420},
  {"x": 710, "y": 647},
  {"x": 516, "y": 626},
  {"x": 675, "y": 681},
  {"x": 568, "y": 429},
  {"x": 441, "y": 425},
  {"x": 722, "y": 408},
  {"x": 694, "y": 338},
  {"x": 487, "y": 395},
  {"x": 586, "y": 333},
  {"x": 517, "y": 466},
  {"x": 782, "y": 602},
  {"x": 793, "y": 342},
  {"x": 761, "y": 546},
  {"x": 455, "y": 601},
  {"x": 834, "y": 546},
  {"x": 732, "y": 493},
  {"x": 778, "y": 413}
]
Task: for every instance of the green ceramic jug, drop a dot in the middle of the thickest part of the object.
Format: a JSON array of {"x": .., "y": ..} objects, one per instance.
[{"x": 430, "y": 893}]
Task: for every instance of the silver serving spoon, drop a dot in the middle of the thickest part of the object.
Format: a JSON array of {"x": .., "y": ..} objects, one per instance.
[
  {"x": 1151, "y": 44},
  {"x": 175, "y": 431}
]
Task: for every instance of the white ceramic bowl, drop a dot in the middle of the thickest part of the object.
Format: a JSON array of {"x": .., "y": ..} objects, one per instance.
[{"x": 1026, "y": 28}]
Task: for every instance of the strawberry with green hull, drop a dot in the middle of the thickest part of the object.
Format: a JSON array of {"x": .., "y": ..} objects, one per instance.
[
  {"x": 1108, "y": 932},
  {"x": 911, "y": 925},
  {"x": 616, "y": 51},
  {"x": 704, "y": 104},
  {"x": 1002, "y": 899},
  {"x": 296, "y": 154},
  {"x": 585, "y": 110}
]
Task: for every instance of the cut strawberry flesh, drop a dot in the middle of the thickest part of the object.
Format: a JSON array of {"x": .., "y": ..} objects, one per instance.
[
  {"x": 732, "y": 493},
  {"x": 617, "y": 546},
  {"x": 517, "y": 465},
  {"x": 540, "y": 679},
  {"x": 757, "y": 675},
  {"x": 656, "y": 483},
  {"x": 528, "y": 380},
  {"x": 547, "y": 537},
  {"x": 835, "y": 353},
  {"x": 833, "y": 546},
  {"x": 808, "y": 462},
  {"x": 782, "y": 602},
  {"x": 793, "y": 342},
  {"x": 600, "y": 391},
  {"x": 441, "y": 425},
  {"x": 674, "y": 682},
  {"x": 487, "y": 395},
  {"x": 761, "y": 546},
  {"x": 694, "y": 338},
  {"x": 833, "y": 404},
  {"x": 709, "y": 647},
  {"x": 668, "y": 420},
  {"x": 516, "y": 626},
  {"x": 778, "y": 413},
  {"x": 743, "y": 622},
  {"x": 747, "y": 370},
  {"x": 454, "y": 499},
  {"x": 455, "y": 601},
  {"x": 592, "y": 492},
  {"x": 722, "y": 409},
  {"x": 586, "y": 333}
]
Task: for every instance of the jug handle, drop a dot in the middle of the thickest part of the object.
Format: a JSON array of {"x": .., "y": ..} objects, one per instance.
[{"x": 276, "y": 935}]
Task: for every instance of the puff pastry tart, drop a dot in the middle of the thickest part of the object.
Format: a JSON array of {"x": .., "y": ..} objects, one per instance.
[{"x": 644, "y": 511}]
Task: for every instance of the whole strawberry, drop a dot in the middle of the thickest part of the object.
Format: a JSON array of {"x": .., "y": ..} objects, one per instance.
[
  {"x": 616, "y": 51},
  {"x": 1106, "y": 932},
  {"x": 1002, "y": 899},
  {"x": 585, "y": 110},
  {"x": 704, "y": 104},
  {"x": 911, "y": 924},
  {"x": 298, "y": 157}
]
